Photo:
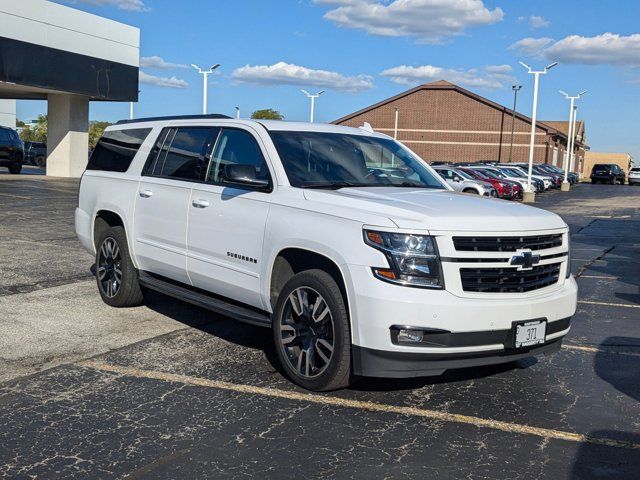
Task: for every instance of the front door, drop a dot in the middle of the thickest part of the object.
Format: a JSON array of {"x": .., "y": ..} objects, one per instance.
[
  {"x": 226, "y": 223},
  {"x": 177, "y": 161}
]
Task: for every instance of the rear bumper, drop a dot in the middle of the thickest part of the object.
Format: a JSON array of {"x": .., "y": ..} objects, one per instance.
[{"x": 380, "y": 363}]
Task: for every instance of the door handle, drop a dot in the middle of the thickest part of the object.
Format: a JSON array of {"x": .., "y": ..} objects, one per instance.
[
  {"x": 145, "y": 193},
  {"x": 199, "y": 203}
]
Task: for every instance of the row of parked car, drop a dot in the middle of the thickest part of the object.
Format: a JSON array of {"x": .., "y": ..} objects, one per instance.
[
  {"x": 14, "y": 152},
  {"x": 506, "y": 181}
]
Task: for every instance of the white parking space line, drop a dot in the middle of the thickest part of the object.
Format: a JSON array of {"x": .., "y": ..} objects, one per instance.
[
  {"x": 361, "y": 405},
  {"x": 607, "y": 304},
  {"x": 582, "y": 348},
  {"x": 603, "y": 277}
]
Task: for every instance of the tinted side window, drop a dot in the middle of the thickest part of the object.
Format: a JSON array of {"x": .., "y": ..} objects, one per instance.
[
  {"x": 236, "y": 147},
  {"x": 116, "y": 149},
  {"x": 182, "y": 153}
]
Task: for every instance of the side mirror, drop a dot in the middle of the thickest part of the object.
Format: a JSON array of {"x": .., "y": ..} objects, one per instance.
[
  {"x": 243, "y": 175},
  {"x": 456, "y": 179}
]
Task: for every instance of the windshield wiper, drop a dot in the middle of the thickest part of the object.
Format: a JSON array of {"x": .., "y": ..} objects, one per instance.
[{"x": 334, "y": 185}]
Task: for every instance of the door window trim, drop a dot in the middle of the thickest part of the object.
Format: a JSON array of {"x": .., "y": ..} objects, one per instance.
[
  {"x": 267, "y": 189},
  {"x": 153, "y": 160}
]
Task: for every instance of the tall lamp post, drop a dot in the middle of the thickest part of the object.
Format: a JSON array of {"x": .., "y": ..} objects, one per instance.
[
  {"x": 313, "y": 99},
  {"x": 237, "y": 112},
  {"x": 530, "y": 195},
  {"x": 516, "y": 89},
  {"x": 571, "y": 136},
  {"x": 205, "y": 75},
  {"x": 131, "y": 108}
]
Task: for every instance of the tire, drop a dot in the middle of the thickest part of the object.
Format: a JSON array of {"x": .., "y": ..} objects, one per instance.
[
  {"x": 112, "y": 255},
  {"x": 15, "y": 169},
  {"x": 301, "y": 339},
  {"x": 471, "y": 190},
  {"x": 39, "y": 161}
]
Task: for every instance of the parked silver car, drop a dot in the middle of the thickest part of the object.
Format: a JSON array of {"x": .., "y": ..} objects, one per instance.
[{"x": 463, "y": 182}]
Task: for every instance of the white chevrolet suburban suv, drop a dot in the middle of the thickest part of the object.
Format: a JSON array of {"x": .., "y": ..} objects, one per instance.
[{"x": 356, "y": 254}]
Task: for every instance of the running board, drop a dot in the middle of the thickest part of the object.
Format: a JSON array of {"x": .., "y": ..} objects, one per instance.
[{"x": 204, "y": 300}]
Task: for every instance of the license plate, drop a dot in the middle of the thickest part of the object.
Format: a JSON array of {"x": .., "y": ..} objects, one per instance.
[{"x": 530, "y": 333}]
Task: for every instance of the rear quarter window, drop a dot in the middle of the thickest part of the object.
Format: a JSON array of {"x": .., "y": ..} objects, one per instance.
[{"x": 116, "y": 149}]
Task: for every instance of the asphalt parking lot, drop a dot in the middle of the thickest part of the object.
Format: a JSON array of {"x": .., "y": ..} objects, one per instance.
[{"x": 172, "y": 391}]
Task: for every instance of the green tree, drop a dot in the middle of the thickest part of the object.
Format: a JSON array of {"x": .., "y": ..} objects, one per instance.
[
  {"x": 37, "y": 132},
  {"x": 267, "y": 114},
  {"x": 96, "y": 128}
]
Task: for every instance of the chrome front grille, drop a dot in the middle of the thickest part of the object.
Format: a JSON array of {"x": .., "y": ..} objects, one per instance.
[
  {"x": 507, "y": 244},
  {"x": 509, "y": 279}
]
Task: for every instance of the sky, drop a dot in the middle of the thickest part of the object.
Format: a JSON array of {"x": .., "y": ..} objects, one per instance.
[{"x": 363, "y": 51}]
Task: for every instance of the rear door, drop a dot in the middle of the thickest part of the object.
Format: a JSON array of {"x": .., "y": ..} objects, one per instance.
[
  {"x": 226, "y": 223},
  {"x": 5, "y": 145},
  {"x": 178, "y": 159}
]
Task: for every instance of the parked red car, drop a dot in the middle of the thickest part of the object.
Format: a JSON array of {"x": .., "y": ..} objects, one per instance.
[{"x": 505, "y": 188}]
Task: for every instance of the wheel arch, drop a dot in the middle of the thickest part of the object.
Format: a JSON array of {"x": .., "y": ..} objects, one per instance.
[{"x": 292, "y": 260}]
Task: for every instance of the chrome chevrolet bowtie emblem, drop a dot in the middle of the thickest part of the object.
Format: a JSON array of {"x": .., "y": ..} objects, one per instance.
[{"x": 525, "y": 260}]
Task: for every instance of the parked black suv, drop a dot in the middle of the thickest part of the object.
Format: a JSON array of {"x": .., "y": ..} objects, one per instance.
[
  {"x": 607, "y": 173},
  {"x": 11, "y": 150},
  {"x": 35, "y": 153}
]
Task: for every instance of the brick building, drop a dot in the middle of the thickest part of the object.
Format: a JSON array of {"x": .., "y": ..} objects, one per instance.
[{"x": 444, "y": 122}]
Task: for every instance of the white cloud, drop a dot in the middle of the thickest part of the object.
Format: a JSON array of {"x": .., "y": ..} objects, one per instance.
[
  {"x": 169, "y": 82},
  {"x": 428, "y": 20},
  {"x": 608, "y": 48},
  {"x": 531, "y": 47},
  {"x": 130, "y": 5},
  {"x": 159, "y": 62},
  {"x": 489, "y": 77},
  {"x": 536, "y": 21},
  {"x": 283, "y": 73}
]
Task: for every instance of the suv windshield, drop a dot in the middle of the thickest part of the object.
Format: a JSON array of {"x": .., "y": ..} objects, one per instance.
[
  {"x": 337, "y": 160},
  {"x": 602, "y": 168}
]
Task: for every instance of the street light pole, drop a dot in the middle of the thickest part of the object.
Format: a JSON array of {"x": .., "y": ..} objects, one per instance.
[
  {"x": 516, "y": 89},
  {"x": 205, "y": 75},
  {"x": 131, "y": 108},
  {"x": 571, "y": 136},
  {"x": 395, "y": 125},
  {"x": 313, "y": 101},
  {"x": 530, "y": 195},
  {"x": 237, "y": 112}
]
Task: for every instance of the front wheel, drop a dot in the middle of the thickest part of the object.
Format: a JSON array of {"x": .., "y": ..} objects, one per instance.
[
  {"x": 311, "y": 332},
  {"x": 40, "y": 161},
  {"x": 15, "y": 169},
  {"x": 116, "y": 275},
  {"x": 471, "y": 190}
]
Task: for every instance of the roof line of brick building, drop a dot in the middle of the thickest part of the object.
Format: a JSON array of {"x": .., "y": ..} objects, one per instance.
[{"x": 445, "y": 85}]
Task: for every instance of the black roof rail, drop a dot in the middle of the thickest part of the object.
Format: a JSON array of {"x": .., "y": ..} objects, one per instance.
[{"x": 209, "y": 116}]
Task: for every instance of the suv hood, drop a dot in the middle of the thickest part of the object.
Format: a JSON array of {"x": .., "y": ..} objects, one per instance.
[{"x": 434, "y": 209}]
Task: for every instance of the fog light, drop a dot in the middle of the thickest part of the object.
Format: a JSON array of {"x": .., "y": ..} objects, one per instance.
[{"x": 410, "y": 336}]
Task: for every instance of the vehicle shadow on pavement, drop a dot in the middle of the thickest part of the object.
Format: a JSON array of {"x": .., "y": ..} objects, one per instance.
[
  {"x": 234, "y": 331},
  {"x": 597, "y": 461}
]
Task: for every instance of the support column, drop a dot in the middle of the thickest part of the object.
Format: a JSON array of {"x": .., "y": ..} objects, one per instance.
[{"x": 67, "y": 135}]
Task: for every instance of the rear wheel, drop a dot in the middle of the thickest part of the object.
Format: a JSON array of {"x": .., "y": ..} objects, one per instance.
[
  {"x": 116, "y": 275},
  {"x": 40, "y": 161},
  {"x": 15, "y": 169},
  {"x": 311, "y": 332}
]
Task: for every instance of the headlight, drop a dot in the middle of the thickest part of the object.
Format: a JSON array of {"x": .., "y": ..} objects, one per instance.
[{"x": 413, "y": 259}]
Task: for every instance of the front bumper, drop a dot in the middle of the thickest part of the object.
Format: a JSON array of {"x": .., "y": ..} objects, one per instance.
[
  {"x": 379, "y": 363},
  {"x": 477, "y": 326}
]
